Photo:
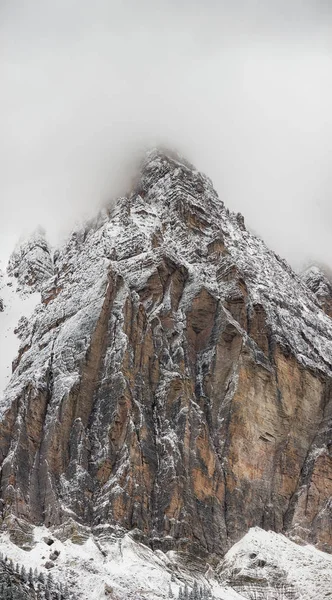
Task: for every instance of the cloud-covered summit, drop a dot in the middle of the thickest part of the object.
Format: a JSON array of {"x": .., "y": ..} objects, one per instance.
[{"x": 243, "y": 89}]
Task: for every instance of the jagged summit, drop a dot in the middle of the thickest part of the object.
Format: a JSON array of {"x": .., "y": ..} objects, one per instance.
[
  {"x": 162, "y": 155},
  {"x": 187, "y": 206},
  {"x": 174, "y": 380},
  {"x": 31, "y": 262}
]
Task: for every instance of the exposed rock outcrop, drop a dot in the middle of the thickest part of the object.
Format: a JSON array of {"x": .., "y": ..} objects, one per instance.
[
  {"x": 321, "y": 286},
  {"x": 175, "y": 380},
  {"x": 31, "y": 263}
]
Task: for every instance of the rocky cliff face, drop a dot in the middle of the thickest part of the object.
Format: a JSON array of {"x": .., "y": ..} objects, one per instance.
[{"x": 175, "y": 379}]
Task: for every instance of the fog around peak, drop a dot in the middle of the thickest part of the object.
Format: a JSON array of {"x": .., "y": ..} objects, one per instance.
[{"x": 241, "y": 89}]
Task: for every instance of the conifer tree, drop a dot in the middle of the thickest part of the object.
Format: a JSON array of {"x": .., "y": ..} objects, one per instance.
[
  {"x": 41, "y": 577},
  {"x": 49, "y": 579},
  {"x": 24, "y": 574}
]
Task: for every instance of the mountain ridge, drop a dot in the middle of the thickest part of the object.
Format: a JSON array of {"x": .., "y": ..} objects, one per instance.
[{"x": 174, "y": 381}]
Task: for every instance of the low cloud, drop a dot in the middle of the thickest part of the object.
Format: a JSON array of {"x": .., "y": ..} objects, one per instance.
[{"x": 243, "y": 89}]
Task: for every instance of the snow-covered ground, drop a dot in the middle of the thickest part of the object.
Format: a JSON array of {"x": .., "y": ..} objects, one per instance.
[
  {"x": 127, "y": 569},
  {"x": 308, "y": 570},
  {"x": 130, "y": 569}
]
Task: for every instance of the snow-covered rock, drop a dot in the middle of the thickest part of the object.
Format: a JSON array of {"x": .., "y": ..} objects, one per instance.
[
  {"x": 31, "y": 263},
  {"x": 266, "y": 565},
  {"x": 320, "y": 285},
  {"x": 262, "y": 565},
  {"x": 14, "y": 306},
  {"x": 106, "y": 566},
  {"x": 174, "y": 380}
]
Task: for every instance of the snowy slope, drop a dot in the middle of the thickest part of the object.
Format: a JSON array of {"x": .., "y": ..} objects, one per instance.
[
  {"x": 265, "y": 555},
  {"x": 130, "y": 569}
]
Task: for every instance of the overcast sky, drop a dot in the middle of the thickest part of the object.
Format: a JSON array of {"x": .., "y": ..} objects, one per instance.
[{"x": 243, "y": 89}]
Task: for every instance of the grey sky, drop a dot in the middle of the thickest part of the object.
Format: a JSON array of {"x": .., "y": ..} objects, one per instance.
[{"x": 243, "y": 89}]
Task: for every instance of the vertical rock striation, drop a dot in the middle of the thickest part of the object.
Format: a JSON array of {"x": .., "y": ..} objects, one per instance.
[{"x": 174, "y": 381}]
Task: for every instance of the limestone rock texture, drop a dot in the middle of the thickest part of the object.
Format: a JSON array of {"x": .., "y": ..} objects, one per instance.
[{"x": 174, "y": 381}]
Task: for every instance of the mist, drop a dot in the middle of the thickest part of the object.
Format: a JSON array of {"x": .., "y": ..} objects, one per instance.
[{"x": 242, "y": 89}]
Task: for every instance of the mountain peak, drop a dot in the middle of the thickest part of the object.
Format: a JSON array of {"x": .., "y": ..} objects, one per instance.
[{"x": 173, "y": 381}]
